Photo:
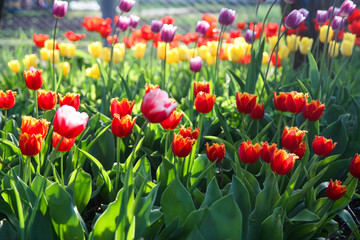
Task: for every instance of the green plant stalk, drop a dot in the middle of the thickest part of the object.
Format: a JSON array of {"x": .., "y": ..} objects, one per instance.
[
  {"x": 36, "y": 104},
  {"x": 266, "y": 17},
  {"x": 223, "y": 27},
  {"x": 5, "y": 131},
  {"x": 53, "y": 56},
  {"x": 62, "y": 168},
  {"x": 253, "y": 33},
  {"x": 28, "y": 162},
  {"x": 118, "y": 166},
  {"x": 201, "y": 120},
  {"x": 20, "y": 211},
  {"x": 277, "y": 49}
]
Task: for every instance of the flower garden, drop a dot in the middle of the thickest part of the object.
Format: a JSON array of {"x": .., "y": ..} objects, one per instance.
[{"x": 229, "y": 131}]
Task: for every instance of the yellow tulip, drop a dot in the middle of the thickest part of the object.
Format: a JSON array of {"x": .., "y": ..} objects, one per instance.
[
  {"x": 93, "y": 72},
  {"x": 63, "y": 47},
  {"x": 14, "y": 65},
  {"x": 225, "y": 47},
  {"x": 105, "y": 54},
  {"x": 239, "y": 40},
  {"x": 161, "y": 50},
  {"x": 210, "y": 59},
  {"x": 95, "y": 49},
  {"x": 172, "y": 56},
  {"x": 265, "y": 58},
  {"x": 49, "y": 44},
  {"x": 139, "y": 50},
  {"x": 212, "y": 46},
  {"x": 64, "y": 67},
  {"x": 71, "y": 50},
  {"x": 121, "y": 48},
  {"x": 44, "y": 54},
  {"x": 30, "y": 61},
  {"x": 192, "y": 53},
  {"x": 283, "y": 52},
  {"x": 334, "y": 49},
  {"x": 183, "y": 53},
  {"x": 323, "y": 32},
  {"x": 203, "y": 51},
  {"x": 349, "y": 37},
  {"x": 305, "y": 45},
  {"x": 236, "y": 52},
  {"x": 57, "y": 56},
  {"x": 293, "y": 42},
  {"x": 346, "y": 48},
  {"x": 117, "y": 56},
  {"x": 272, "y": 42}
]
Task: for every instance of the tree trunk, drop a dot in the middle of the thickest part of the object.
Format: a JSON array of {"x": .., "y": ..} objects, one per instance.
[{"x": 108, "y": 9}]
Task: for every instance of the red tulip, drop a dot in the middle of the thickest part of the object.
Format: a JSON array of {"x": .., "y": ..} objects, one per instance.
[
  {"x": 146, "y": 32},
  {"x": 7, "y": 100},
  {"x": 167, "y": 20},
  {"x": 172, "y": 121},
  {"x": 68, "y": 122},
  {"x": 204, "y": 102},
  {"x": 156, "y": 106},
  {"x": 282, "y": 162},
  {"x": 335, "y": 190},
  {"x": 123, "y": 108},
  {"x": 47, "y": 99},
  {"x": 65, "y": 145},
  {"x": 322, "y": 146},
  {"x": 292, "y": 137},
  {"x": 30, "y": 144},
  {"x": 122, "y": 126},
  {"x": 258, "y": 112},
  {"x": 188, "y": 132},
  {"x": 216, "y": 152},
  {"x": 181, "y": 146},
  {"x": 150, "y": 86},
  {"x": 201, "y": 87},
  {"x": 74, "y": 37},
  {"x": 245, "y": 102},
  {"x": 249, "y": 153},
  {"x": 267, "y": 151},
  {"x": 70, "y": 99},
  {"x": 279, "y": 101},
  {"x": 33, "y": 78},
  {"x": 295, "y": 101},
  {"x": 34, "y": 126},
  {"x": 313, "y": 110},
  {"x": 39, "y": 39},
  {"x": 300, "y": 150},
  {"x": 355, "y": 166}
]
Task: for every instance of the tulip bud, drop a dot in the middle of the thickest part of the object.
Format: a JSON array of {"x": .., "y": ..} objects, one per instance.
[
  {"x": 347, "y": 8},
  {"x": 295, "y": 101},
  {"x": 203, "y": 51},
  {"x": 335, "y": 190},
  {"x": 249, "y": 153},
  {"x": 156, "y": 26},
  {"x": 64, "y": 68},
  {"x": 14, "y": 65},
  {"x": 283, "y": 52},
  {"x": 134, "y": 21},
  {"x": 210, "y": 59},
  {"x": 202, "y": 27},
  {"x": 63, "y": 49},
  {"x": 292, "y": 137},
  {"x": 122, "y": 126},
  {"x": 245, "y": 102},
  {"x": 188, "y": 132},
  {"x": 204, "y": 102},
  {"x": 33, "y": 78},
  {"x": 216, "y": 152},
  {"x": 30, "y": 144},
  {"x": 30, "y": 61},
  {"x": 267, "y": 151},
  {"x": 59, "y": 8},
  {"x": 258, "y": 112},
  {"x": 65, "y": 145},
  {"x": 321, "y": 16},
  {"x": 70, "y": 99},
  {"x": 312, "y": 111},
  {"x": 182, "y": 146},
  {"x": 126, "y": 5},
  {"x": 212, "y": 47},
  {"x": 49, "y": 44},
  {"x": 304, "y": 12},
  {"x": 226, "y": 16},
  {"x": 337, "y": 23},
  {"x": 250, "y": 36},
  {"x": 201, "y": 87},
  {"x": 294, "y": 19},
  {"x": 279, "y": 101},
  {"x": 183, "y": 53},
  {"x": 282, "y": 162},
  {"x": 195, "y": 64},
  {"x": 322, "y": 146},
  {"x": 172, "y": 121},
  {"x": 123, "y": 23},
  {"x": 334, "y": 49},
  {"x": 71, "y": 50},
  {"x": 47, "y": 99},
  {"x": 7, "y": 100},
  {"x": 355, "y": 166},
  {"x": 44, "y": 54},
  {"x": 123, "y": 108},
  {"x": 93, "y": 72},
  {"x": 168, "y": 33}
]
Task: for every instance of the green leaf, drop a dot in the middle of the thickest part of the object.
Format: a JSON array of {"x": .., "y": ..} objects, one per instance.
[
  {"x": 213, "y": 193},
  {"x": 7, "y": 230},
  {"x": 272, "y": 226},
  {"x": 305, "y": 216},
  {"x": 224, "y": 124},
  {"x": 348, "y": 219},
  {"x": 238, "y": 80},
  {"x": 80, "y": 183},
  {"x": 314, "y": 76},
  {"x": 104, "y": 149}
]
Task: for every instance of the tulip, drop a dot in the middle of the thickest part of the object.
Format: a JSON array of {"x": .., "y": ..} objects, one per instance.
[
  {"x": 30, "y": 144},
  {"x": 334, "y": 49},
  {"x": 64, "y": 68},
  {"x": 39, "y": 39},
  {"x": 293, "y": 42},
  {"x": 35, "y": 126},
  {"x": 122, "y": 126},
  {"x": 93, "y": 72},
  {"x": 304, "y": 12},
  {"x": 265, "y": 58},
  {"x": 126, "y": 5},
  {"x": 168, "y": 33},
  {"x": 150, "y": 86},
  {"x": 283, "y": 52},
  {"x": 49, "y": 44},
  {"x": 305, "y": 45},
  {"x": 350, "y": 37},
  {"x": 71, "y": 50},
  {"x": 202, "y": 27},
  {"x": 346, "y": 48},
  {"x": 33, "y": 78},
  {"x": 95, "y": 49},
  {"x": 258, "y": 112},
  {"x": 216, "y": 152},
  {"x": 212, "y": 47},
  {"x": 57, "y": 56},
  {"x": 71, "y": 36},
  {"x": 7, "y": 100},
  {"x": 30, "y": 61},
  {"x": 44, "y": 54},
  {"x": 250, "y": 36},
  {"x": 226, "y": 16},
  {"x": 203, "y": 51},
  {"x": 65, "y": 145},
  {"x": 59, "y": 8},
  {"x": 210, "y": 59},
  {"x": 156, "y": 26},
  {"x": 188, "y": 132},
  {"x": 355, "y": 166},
  {"x": 14, "y": 65},
  {"x": 322, "y": 146},
  {"x": 68, "y": 122},
  {"x": 332, "y": 11},
  {"x": 204, "y": 102},
  {"x": 183, "y": 53},
  {"x": 123, "y": 23},
  {"x": 70, "y": 99},
  {"x": 312, "y": 111},
  {"x": 172, "y": 56},
  {"x": 335, "y": 190},
  {"x": 236, "y": 52},
  {"x": 245, "y": 103},
  {"x": 267, "y": 151},
  {"x": 337, "y": 24},
  {"x": 63, "y": 49},
  {"x": 347, "y": 8},
  {"x": 295, "y": 101},
  {"x": 156, "y": 106},
  {"x": 47, "y": 99},
  {"x": 300, "y": 150},
  {"x": 272, "y": 43},
  {"x": 172, "y": 121},
  {"x": 123, "y": 108},
  {"x": 321, "y": 16},
  {"x": 279, "y": 101},
  {"x": 182, "y": 146},
  {"x": 249, "y": 153},
  {"x": 282, "y": 162},
  {"x": 161, "y": 50},
  {"x": 294, "y": 19},
  {"x": 139, "y": 50},
  {"x": 201, "y": 87},
  {"x": 292, "y": 137},
  {"x": 117, "y": 55},
  {"x": 134, "y": 21}
]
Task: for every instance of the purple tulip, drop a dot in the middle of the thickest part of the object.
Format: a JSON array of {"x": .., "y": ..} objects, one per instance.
[
  {"x": 195, "y": 64},
  {"x": 336, "y": 12},
  {"x": 304, "y": 12},
  {"x": 59, "y": 9},
  {"x": 294, "y": 19},
  {"x": 321, "y": 16},
  {"x": 202, "y": 27},
  {"x": 290, "y": 1},
  {"x": 337, "y": 23},
  {"x": 126, "y": 5},
  {"x": 156, "y": 26},
  {"x": 134, "y": 20},
  {"x": 250, "y": 36},
  {"x": 347, "y": 8},
  {"x": 123, "y": 24},
  {"x": 168, "y": 33},
  {"x": 226, "y": 16}
]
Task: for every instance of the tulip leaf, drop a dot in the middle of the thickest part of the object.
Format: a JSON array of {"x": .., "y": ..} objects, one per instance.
[
  {"x": 314, "y": 76},
  {"x": 305, "y": 216},
  {"x": 80, "y": 183},
  {"x": 165, "y": 173},
  {"x": 6, "y": 229},
  {"x": 224, "y": 124},
  {"x": 238, "y": 80},
  {"x": 103, "y": 148},
  {"x": 348, "y": 219},
  {"x": 213, "y": 193},
  {"x": 272, "y": 226}
]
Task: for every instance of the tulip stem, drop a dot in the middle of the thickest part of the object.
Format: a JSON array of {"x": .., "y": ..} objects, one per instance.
[
  {"x": 5, "y": 130},
  {"x": 201, "y": 120},
  {"x": 62, "y": 168},
  {"x": 36, "y": 104},
  {"x": 164, "y": 69},
  {"x": 223, "y": 27},
  {"x": 53, "y": 56},
  {"x": 221, "y": 174},
  {"x": 263, "y": 23},
  {"x": 118, "y": 167}
]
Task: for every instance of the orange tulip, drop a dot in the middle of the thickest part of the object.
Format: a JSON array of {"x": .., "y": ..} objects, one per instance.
[
  {"x": 123, "y": 108},
  {"x": 201, "y": 87},
  {"x": 313, "y": 110},
  {"x": 295, "y": 101},
  {"x": 245, "y": 102},
  {"x": 267, "y": 151},
  {"x": 33, "y": 78},
  {"x": 172, "y": 121},
  {"x": 216, "y": 152},
  {"x": 282, "y": 162},
  {"x": 182, "y": 146},
  {"x": 249, "y": 153},
  {"x": 335, "y": 190},
  {"x": 292, "y": 137},
  {"x": 122, "y": 126},
  {"x": 322, "y": 146},
  {"x": 30, "y": 144},
  {"x": 34, "y": 126},
  {"x": 188, "y": 132},
  {"x": 65, "y": 145},
  {"x": 70, "y": 99}
]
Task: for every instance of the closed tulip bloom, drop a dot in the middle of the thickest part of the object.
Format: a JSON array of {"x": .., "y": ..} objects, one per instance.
[
  {"x": 203, "y": 51},
  {"x": 30, "y": 60},
  {"x": 123, "y": 108},
  {"x": 93, "y": 72},
  {"x": 334, "y": 49},
  {"x": 337, "y": 23},
  {"x": 70, "y": 99},
  {"x": 279, "y": 101},
  {"x": 57, "y": 56},
  {"x": 321, "y": 16},
  {"x": 33, "y": 78},
  {"x": 156, "y": 106},
  {"x": 139, "y": 50},
  {"x": 334, "y": 12},
  {"x": 172, "y": 56},
  {"x": 161, "y": 50},
  {"x": 236, "y": 51},
  {"x": 212, "y": 47},
  {"x": 188, "y": 132},
  {"x": 322, "y": 146},
  {"x": 283, "y": 52},
  {"x": 294, "y": 19},
  {"x": 44, "y": 54},
  {"x": 282, "y": 162},
  {"x": 202, "y": 27},
  {"x": 346, "y": 48},
  {"x": 304, "y": 12},
  {"x": 292, "y": 137},
  {"x": 295, "y": 101},
  {"x": 305, "y": 45},
  {"x": 216, "y": 152},
  {"x": 95, "y": 49},
  {"x": 63, "y": 49},
  {"x": 226, "y": 16},
  {"x": 195, "y": 64},
  {"x": 71, "y": 50},
  {"x": 249, "y": 153},
  {"x": 65, "y": 145},
  {"x": 312, "y": 111},
  {"x": 258, "y": 112},
  {"x": 68, "y": 122},
  {"x": 126, "y": 5},
  {"x": 64, "y": 68},
  {"x": 156, "y": 26},
  {"x": 59, "y": 8},
  {"x": 250, "y": 36},
  {"x": 245, "y": 102},
  {"x": 168, "y": 33},
  {"x": 39, "y": 39},
  {"x": 183, "y": 53},
  {"x": 355, "y": 166},
  {"x": 30, "y": 144},
  {"x": 265, "y": 58},
  {"x": 267, "y": 151},
  {"x": 105, "y": 54},
  {"x": 7, "y": 99},
  {"x": 172, "y": 121},
  {"x": 204, "y": 102},
  {"x": 49, "y": 44},
  {"x": 14, "y": 65},
  {"x": 347, "y": 8},
  {"x": 122, "y": 126},
  {"x": 300, "y": 150},
  {"x": 134, "y": 21},
  {"x": 210, "y": 59},
  {"x": 293, "y": 42},
  {"x": 123, "y": 23},
  {"x": 117, "y": 56},
  {"x": 350, "y": 37},
  {"x": 201, "y": 87},
  {"x": 335, "y": 190},
  {"x": 272, "y": 43},
  {"x": 47, "y": 99},
  {"x": 182, "y": 146},
  {"x": 35, "y": 126}
]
